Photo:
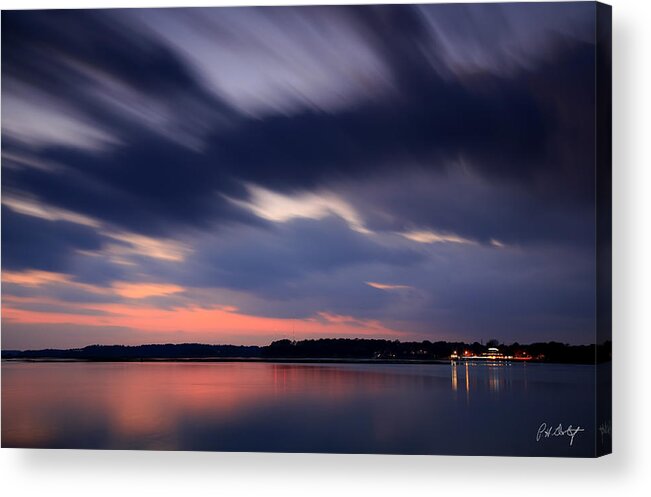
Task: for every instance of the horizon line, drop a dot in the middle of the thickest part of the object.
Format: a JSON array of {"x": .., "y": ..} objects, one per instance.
[{"x": 481, "y": 342}]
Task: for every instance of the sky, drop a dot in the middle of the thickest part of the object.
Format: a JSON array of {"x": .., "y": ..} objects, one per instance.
[{"x": 241, "y": 175}]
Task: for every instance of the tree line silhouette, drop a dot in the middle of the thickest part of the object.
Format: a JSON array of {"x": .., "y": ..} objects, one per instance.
[{"x": 323, "y": 348}]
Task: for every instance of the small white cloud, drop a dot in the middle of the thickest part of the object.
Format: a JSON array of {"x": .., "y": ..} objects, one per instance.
[
  {"x": 280, "y": 208},
  {"x": 435, "y": 237},
  {"x": 387, "y": 286},
  {"x": 133, "y": 244}
]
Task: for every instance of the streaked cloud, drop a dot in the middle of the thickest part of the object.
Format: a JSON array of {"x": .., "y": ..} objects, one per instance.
[
  {"x": 34, "y": 208},
  {"x": 497, "y": 243},
  {"x": 134, "y": 244},
  {"x": 33, "y": 278},
  {"x": 282, "y": 75},
  {"x": 279, "y": 207},
  {"x": 56, "y": 281},
  {"x": 21, "y": 160},
  {"x": 35, "y": 120},
  {"x": 387, "y": 286},
  {"x": 434, "y": 237},
  {"x": 144, "y": 290}
]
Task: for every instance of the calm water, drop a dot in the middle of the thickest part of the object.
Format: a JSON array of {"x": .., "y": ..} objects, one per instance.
[{"x": 413, "y": 409}]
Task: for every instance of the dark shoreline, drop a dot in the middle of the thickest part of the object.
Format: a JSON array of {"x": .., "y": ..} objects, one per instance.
[
  {"x": 268, "y": 360},
  {"x": 320, "y": 351},
  {"x": 279, "y": 360}
]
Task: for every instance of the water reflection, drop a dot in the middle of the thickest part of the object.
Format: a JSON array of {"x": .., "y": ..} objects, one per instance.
[
  {"x": 292, "y": 407},
  {"x": 498, "y": 375},
  {"x": 467, "y": 384}
]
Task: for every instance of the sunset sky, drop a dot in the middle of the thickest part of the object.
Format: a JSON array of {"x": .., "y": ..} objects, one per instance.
[{"x": 247, "y": 174}]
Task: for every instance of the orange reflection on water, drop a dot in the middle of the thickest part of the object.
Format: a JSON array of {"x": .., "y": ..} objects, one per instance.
[
  {"x": 467, "y": 383},
  {"x": 493, "y": 378},
  {"x": 142, "y": 405}
]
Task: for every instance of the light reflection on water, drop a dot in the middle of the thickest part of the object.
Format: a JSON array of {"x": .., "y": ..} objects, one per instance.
[{"x": 413, "y": 409}]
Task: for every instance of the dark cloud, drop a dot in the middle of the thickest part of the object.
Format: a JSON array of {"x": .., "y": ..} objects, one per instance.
[
  {"x": 302, "y": 268},
  {"x": 32, "y": 243},
  {"x": 270, "y": 262},
  {"x": 505, "y": 127},
  {"x": 461, "y": 202},
  {"x": 99, "y": 65},
  {"x": 503, "y": 39},
  {"x": 152, "y": 186}
]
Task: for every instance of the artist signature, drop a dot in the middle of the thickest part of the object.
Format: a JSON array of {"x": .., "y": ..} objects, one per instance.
[{"x": 547, "y": 432}]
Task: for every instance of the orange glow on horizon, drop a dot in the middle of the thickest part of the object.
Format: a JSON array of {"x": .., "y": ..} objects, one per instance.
[
  {"x": 211, "y": 324},
  {"x": 207, "y": 323}
]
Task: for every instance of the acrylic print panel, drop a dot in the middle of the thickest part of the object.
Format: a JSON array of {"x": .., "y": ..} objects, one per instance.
[{"x": 350, "y": 229}]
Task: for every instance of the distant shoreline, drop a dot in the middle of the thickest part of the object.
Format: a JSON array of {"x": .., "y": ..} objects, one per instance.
[
  {"x": 321, "y": 351},
  {"x": 280, "y": 360},
  {"x": 215, "y": 360}
]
